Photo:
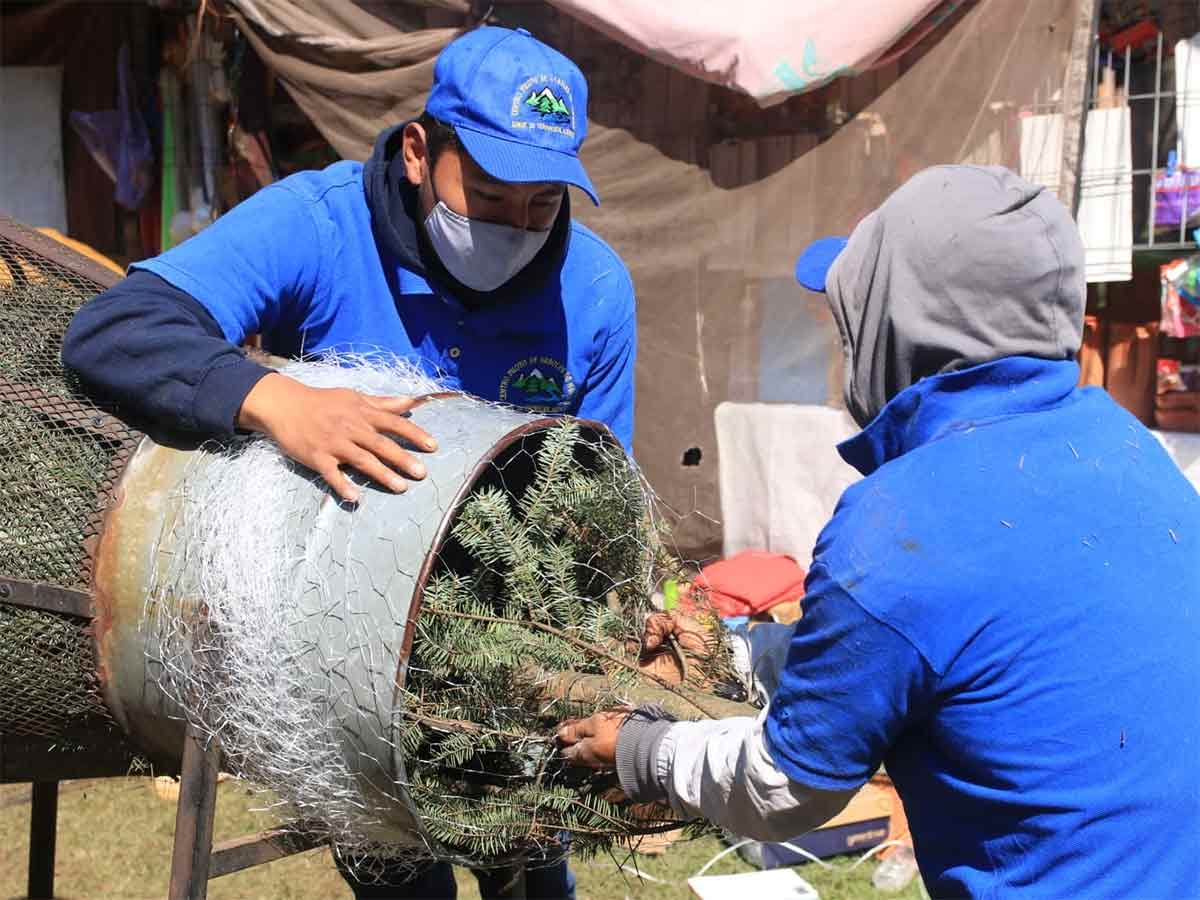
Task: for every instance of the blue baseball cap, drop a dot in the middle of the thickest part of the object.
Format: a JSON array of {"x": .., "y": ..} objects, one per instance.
[
  {"x": 812, "y": 268},
  {"x": 518, "y": 106}
]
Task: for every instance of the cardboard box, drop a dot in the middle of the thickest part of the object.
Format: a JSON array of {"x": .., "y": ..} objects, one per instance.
[{"x": 863, "y": 824}]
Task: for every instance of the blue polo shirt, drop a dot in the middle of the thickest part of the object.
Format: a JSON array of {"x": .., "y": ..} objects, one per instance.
[
  {"x": 1006, "y": 612},
  {"x": 299, "y": 262}
]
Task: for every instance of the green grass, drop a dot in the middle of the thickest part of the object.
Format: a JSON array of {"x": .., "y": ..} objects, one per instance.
[{"x": 114, "y": 841}]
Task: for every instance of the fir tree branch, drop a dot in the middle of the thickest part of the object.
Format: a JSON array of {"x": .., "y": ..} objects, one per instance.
[
  {"x": 576, "y": 687},
  {"x": 462, "y": 725},
  {"x": 584, "y": 645}
]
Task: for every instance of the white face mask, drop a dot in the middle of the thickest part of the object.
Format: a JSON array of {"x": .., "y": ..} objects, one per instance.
[{"x": 482, "y": 255}]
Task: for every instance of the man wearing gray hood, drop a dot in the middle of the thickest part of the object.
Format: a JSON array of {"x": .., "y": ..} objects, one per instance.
[{"x": 1005, "y": 611}]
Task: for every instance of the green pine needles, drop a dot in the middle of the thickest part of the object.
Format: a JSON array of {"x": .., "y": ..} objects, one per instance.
[{"x": 552, "y": 579}]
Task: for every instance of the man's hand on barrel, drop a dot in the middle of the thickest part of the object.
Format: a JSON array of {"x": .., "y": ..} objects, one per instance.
[{"x": 328, "y": 428}]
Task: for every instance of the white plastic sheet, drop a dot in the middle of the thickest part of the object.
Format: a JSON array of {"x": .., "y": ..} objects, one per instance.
[
  {"x": 768, "y": 49},
  {"x": 1106, "y": 191},
  {"x": 780, "y": 474},
  {"x": 31, "y": 177}
]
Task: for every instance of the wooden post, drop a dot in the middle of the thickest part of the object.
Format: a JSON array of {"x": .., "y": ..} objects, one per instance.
[
  {"x": 1075, "y": 104},
  {"x": 194, "y": 819},
  {"x": 43, "y": 828}
]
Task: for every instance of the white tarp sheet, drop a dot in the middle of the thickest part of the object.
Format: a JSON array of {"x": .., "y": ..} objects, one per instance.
[
  {"x": 1106, "y": 190},
  {"x": 31, "y": 157},
  {"x": 768, "y": 49},
  {"x": 780, "y": 474}
]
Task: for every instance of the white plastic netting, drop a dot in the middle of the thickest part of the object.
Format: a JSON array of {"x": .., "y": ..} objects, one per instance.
[
  {"x": 229, "y": 627},
  {"x": 277, "y": 615}
]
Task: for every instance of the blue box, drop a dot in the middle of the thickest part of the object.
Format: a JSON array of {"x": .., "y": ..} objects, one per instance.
[{"x": 852, "y": 837}]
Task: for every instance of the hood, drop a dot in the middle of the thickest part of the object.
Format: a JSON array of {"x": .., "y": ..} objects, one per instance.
[
  {"x": 961, "y": 266},
  {"x": 395, "y": 218}
]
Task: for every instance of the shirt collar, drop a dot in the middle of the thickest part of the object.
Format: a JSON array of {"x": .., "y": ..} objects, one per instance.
[{"x": 958, "y": 401}]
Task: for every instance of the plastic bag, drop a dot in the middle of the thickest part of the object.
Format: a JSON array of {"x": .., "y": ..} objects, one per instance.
[
  {"x": 118, "y": 140},
  {"x": 1180, "y": 296},
  {"x": 1175, "y": 190}
]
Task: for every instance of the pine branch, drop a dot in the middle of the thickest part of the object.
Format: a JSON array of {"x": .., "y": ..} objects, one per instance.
[
  {"x": 439, "y": 723},
  {"x": 553, "y": 577},
  {"x": 595, "y": 651}
]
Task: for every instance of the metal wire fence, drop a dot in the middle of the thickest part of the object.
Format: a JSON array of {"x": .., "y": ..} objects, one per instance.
[
  {"x": 59, "y": 456},
  {"x": 59, "y": 453}
]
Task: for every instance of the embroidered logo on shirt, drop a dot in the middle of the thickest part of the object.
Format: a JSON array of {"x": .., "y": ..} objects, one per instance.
[{"x": 539, "y": 383}]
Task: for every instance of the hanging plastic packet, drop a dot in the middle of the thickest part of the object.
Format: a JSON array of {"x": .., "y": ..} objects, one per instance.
[
  {"x": 1176, "y": 195},
  {"x": 1177, "y": 395},
  {"x": 1181, "y": 298},
  {"x": 118, "y": 139}
]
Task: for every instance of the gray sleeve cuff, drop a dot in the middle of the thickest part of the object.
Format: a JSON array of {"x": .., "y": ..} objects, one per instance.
[{"x": 637, "y": 754}]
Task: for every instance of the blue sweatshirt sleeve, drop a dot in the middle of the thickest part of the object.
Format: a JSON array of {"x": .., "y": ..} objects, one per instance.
[
  {"x": 851, "y": 685},
  {"x": 160, "y": 356},
  {"x": 608, "y": 394},
  {"x": 163, "y": 344},
  {"x": 257, "y": 268}
]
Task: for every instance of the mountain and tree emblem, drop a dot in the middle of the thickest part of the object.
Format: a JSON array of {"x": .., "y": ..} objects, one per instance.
[
  {"x": 537, "y": 388},
  {"x": 547, "y": 105}
]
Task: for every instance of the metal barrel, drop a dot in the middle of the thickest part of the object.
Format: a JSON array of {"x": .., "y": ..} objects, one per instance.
[{"x": 377, "y": 558}]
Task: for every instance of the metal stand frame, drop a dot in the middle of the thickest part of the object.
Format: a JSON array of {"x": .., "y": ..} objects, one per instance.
[
  {"x": 191, "y": 855},
  {"x": 195, "y": 860},
  {"x": 103, "y": 753},
  {"x": 43, "y": 828}
]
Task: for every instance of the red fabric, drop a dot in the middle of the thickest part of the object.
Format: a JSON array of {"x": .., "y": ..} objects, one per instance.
[{"x": 750, "y": 582}]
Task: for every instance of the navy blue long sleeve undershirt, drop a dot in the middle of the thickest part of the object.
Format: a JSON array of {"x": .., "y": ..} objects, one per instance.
[{"x": 158, "y": 354}]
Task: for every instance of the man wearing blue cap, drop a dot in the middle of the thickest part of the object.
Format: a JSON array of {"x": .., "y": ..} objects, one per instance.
[
  {"x": 453, "y": 246},
  {"x": 1006, "y": 609}
]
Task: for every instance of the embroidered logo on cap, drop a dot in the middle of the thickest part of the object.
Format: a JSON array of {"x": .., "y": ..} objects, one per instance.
[
  {"x": 548, "y": 106},
  {"x": 543, "y": 102}
]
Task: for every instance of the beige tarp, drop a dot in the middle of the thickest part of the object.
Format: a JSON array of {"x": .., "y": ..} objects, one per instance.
[
  {"x": 707, "y": 197},
  {"x": 353, "y": 68}
]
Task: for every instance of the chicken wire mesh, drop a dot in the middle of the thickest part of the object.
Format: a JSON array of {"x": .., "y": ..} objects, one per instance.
[
  {"x": 59, "y": 457},
  {"x": 392, "y": 673}
]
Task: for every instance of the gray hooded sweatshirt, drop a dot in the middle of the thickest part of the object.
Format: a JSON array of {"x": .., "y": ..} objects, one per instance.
[{"x": 962, "y": 265}]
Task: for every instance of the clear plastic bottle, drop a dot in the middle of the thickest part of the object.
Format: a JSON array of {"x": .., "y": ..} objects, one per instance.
[{"x": 896, "y": 872}]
